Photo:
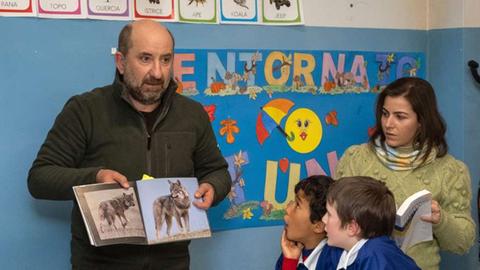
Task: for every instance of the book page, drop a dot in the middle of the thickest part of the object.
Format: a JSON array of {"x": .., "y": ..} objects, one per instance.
[
  {"x": 409, "y": 228},
  {"x": 168, "y": 212},
  {"x": 111, "y": 214}
]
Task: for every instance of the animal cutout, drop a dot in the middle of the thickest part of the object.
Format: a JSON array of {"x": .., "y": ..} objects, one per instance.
[
  {"x": 197, "y": 2},
  {"x": 242, "y": 3},
  {"x": 280, "y": 3}
]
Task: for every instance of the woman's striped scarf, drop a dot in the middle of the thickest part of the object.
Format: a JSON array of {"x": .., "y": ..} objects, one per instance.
[{"x": 404, "y": 158}]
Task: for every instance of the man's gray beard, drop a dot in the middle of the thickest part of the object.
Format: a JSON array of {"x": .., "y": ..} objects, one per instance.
[
  {"x": 145, "y": 98},
  {"x": 139, "y": 96}
]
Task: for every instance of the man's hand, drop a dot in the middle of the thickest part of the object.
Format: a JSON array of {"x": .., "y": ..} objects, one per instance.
[
  {"x": 111, "y": 176},
  {"x": 205, "y": 192},
  {"x": 290, "y": 249},
  {"x": 436, "y": 214}
]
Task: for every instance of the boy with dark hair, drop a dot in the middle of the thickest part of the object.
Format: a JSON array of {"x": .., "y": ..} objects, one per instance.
[
  {"x": 360, "y": 219},
  {"x": 304, "y": 243}
]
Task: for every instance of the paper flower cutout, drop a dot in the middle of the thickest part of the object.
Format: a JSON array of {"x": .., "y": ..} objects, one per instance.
[
  {"x": 229, "y": 126},
  {"x": 247, "y": 213}
]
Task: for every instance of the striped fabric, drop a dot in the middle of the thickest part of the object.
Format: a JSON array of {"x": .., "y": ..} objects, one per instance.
[{"x": 402, "y": 160}]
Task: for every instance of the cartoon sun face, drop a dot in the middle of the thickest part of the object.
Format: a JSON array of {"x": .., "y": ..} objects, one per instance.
[{"x": 304, "y": 130}]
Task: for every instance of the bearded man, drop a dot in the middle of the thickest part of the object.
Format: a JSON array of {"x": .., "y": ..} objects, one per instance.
[{"x": 116, "y": 133}]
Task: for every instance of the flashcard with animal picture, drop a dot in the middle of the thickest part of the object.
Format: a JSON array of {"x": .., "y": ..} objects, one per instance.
[
  {"x": 163, "y": 10},
  {"x": 197, "y": 11},
  {"x": 238, "y": 11},
  {"x": 149, "y": 212},
  {"x": 282, "y": 12},
  {"x": 169, "y": 214},
  {"x": 69, "y": 9},
  {"x": 17, "y": 8},
  {"x": 108, "y": 9}
]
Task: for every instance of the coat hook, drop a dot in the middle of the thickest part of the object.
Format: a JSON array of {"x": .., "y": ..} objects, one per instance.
[{"x": 473, "y": 68}]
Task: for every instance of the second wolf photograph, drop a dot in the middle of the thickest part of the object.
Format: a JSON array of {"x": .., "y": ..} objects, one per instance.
[{"x": 168, "y": 210}]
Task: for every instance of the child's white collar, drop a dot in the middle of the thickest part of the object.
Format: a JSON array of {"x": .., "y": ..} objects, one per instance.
[
  {"x": 312, "y": 259},
  {"x": 348, "y": 257}
]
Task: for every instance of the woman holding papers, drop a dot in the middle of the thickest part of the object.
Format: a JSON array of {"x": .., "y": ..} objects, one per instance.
[{"x": 408, "y": 152}]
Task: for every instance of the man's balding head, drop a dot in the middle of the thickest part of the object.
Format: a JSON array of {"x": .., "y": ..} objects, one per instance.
[{"x": 125, "y": 41}]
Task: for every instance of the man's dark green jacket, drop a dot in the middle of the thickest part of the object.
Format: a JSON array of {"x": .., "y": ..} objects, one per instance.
[{"x": 101, "y": 129}]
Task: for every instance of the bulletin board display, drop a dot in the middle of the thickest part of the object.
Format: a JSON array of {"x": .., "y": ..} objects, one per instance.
[{"x": 282, "y": 115}]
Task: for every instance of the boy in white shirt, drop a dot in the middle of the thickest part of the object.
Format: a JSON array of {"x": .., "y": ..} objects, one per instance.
[
  {"x": 360, "y": 219},
  {"x": 304, "y": 243}
]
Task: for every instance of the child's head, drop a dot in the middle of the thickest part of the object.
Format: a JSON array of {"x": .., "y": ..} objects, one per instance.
[
  {"x": 358, "y": 207},
  {"x": 303, "y": 218}
]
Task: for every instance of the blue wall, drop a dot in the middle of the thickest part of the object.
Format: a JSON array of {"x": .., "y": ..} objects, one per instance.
[
  {"x": 471, "y": 98},
  {"x": 458, "y": 94},
  {"x": 43, "y": 62}
]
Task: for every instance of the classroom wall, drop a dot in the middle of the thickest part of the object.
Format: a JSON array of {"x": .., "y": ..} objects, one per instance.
[
  {"x": 405, "y": 14},
  {"x": 453, "y": 40},
  {"x": 44, "y": 61}
]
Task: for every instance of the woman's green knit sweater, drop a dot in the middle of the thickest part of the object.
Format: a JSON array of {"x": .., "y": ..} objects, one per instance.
[{"x": 446, "y": 178}]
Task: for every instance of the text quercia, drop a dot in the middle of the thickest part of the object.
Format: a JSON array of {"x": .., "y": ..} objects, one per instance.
[{"x": 107, "y": 8}]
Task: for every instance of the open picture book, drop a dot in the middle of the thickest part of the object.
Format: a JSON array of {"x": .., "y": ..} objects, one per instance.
[
  {"x": 149, "y": 212},
  {"x": 409, "y": 228}
]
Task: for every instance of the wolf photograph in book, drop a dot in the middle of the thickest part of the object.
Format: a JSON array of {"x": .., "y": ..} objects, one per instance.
[
  {"x": 168, "y": 210},
  {"x": 109, "y": 210},
  {"x": 173, "y": 206},
  {"x": 116, "y": 213}
]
